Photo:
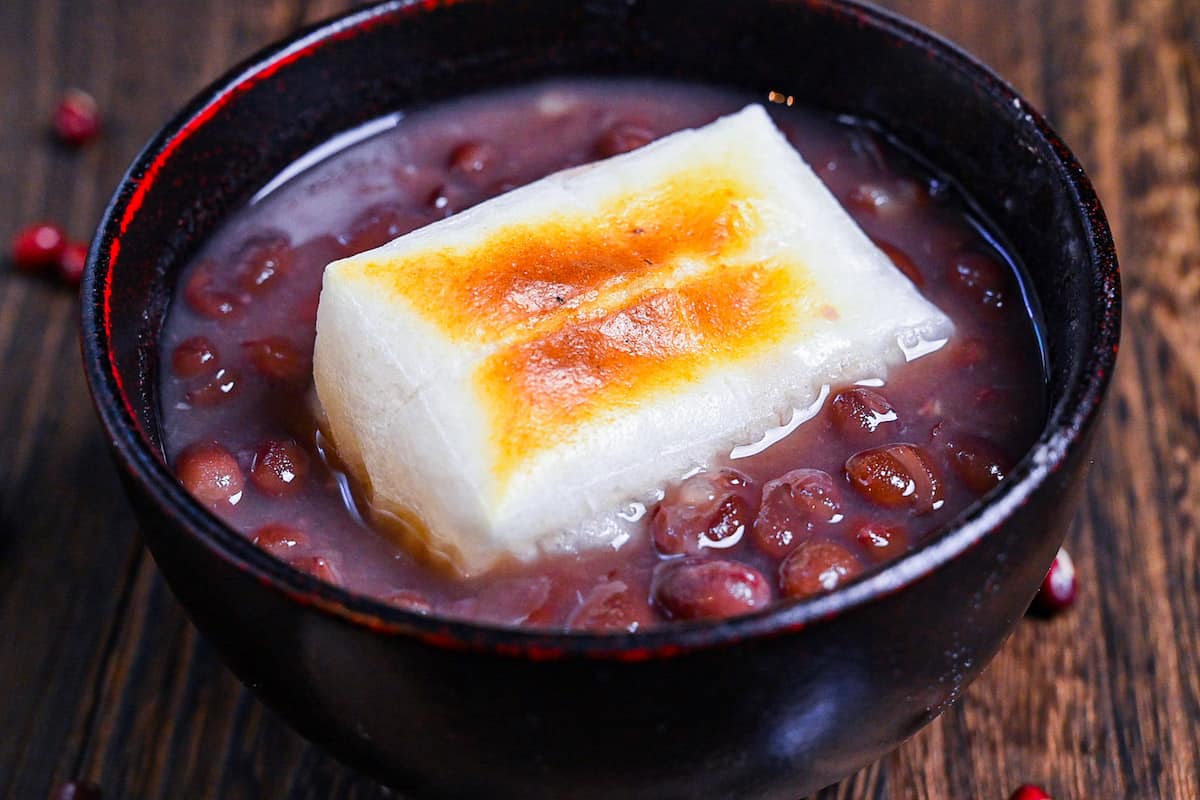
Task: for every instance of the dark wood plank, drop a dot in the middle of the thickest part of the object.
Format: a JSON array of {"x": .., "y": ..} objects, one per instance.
[
  {"x": 104, "y": 679},
  {"x": 66, "y": 538},
  {"x": 1102, "y": 703}
]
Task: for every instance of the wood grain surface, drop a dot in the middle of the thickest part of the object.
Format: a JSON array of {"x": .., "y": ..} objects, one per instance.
[{"x": 103, "y": 679}]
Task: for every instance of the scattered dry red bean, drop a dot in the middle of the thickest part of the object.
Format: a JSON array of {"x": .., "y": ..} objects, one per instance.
[
  {"x": 38, "y": 246},
  {"x": 1059, "y": 587},
  {"x": 71, "y": 263},
  {"x": 76, "y": 790},
  {"x": 76, "y": 120}
]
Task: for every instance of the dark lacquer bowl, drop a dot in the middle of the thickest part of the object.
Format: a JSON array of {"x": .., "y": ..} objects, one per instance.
[{"x": 772, "y": 705}]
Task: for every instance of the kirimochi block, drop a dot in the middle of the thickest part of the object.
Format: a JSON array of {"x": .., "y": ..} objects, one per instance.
[{"x": 499, "y": 378}]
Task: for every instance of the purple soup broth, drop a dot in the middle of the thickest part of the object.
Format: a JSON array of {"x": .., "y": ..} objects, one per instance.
[{"x": 875, "y": 471}]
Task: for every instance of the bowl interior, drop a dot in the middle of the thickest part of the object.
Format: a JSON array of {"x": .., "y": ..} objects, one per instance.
[{"x": 265, "y": 114}]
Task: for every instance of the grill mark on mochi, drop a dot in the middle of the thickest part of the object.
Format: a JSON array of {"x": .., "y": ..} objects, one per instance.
[
  {"x": 539, "y": 392},
  {"x": 525, "y": 279}
]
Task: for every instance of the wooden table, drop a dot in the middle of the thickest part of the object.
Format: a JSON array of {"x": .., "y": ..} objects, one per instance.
[{"x": 104, "y": 680}]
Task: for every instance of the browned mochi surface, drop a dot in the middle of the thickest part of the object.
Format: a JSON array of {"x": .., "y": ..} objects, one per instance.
[
  {"x": 547, "y": 290},
  {"x": 544, "y": 387}
]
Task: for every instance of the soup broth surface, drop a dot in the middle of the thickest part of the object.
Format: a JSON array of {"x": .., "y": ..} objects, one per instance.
[{"x": 873, "y": 469}]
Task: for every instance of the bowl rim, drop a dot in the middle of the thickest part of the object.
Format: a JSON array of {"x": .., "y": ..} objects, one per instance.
[{"x": 1062, "y": 436}]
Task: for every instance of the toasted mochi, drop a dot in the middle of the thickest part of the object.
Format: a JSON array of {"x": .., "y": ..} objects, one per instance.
[{"x": 500, "y": 379}]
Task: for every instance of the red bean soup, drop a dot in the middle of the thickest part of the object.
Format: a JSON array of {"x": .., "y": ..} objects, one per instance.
[{"x": 878, "y": 468}]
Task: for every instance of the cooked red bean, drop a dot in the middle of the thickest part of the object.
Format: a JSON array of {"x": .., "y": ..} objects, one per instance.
[
  {"x": 717, "y": 589},
  {"x": 882, "y": 540},
  {"x": 978, "y": 462},
  {"x": 610, "y": 606},
  {"x": 472, "y": 158},
  {"x": 207, "y": 298},
  {"x": 968, "y": 351},
  {"x": 194, "y": 357},
  {"x": 931, "y": 408},
  {"x": 410, "y": 600},
  {"x": 211, "y": 473},
  {"x": 705, "y": 511},
  {"x": 623, "y": 137},
  {"x": 677, "y": 532},
  {"x": 280, "y": 540},
  {"x": 903, "y": 262},
  {"x": 507, "y": 602},
  {"x": 279, "y": 359},
  {"x": 860, "y": 412},
  {"x": 816, "y": 568},
  {"x": 280, "y": 467},
  {"x": 305, "y": 310},
  {"x": 888, "y": 199},
  {"x": 868, "y": 148},
  {"x": 317, "y": 566},
  {"x": 379, "y": 224},
  {"x": 795, "y": 505},
  {"x": 222, "y": 385},
  {"x": 896, "y": 476},
  {"x": 263, "y": 261},
  {"x": 499, "y": 188},
  {"x": 447, "y": 199},
  {"x": 983, "y": 278},
  {"x": 988, "y": 396}
]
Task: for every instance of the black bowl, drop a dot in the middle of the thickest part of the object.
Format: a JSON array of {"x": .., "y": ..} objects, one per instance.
[{"x": 770, "y": 705}]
